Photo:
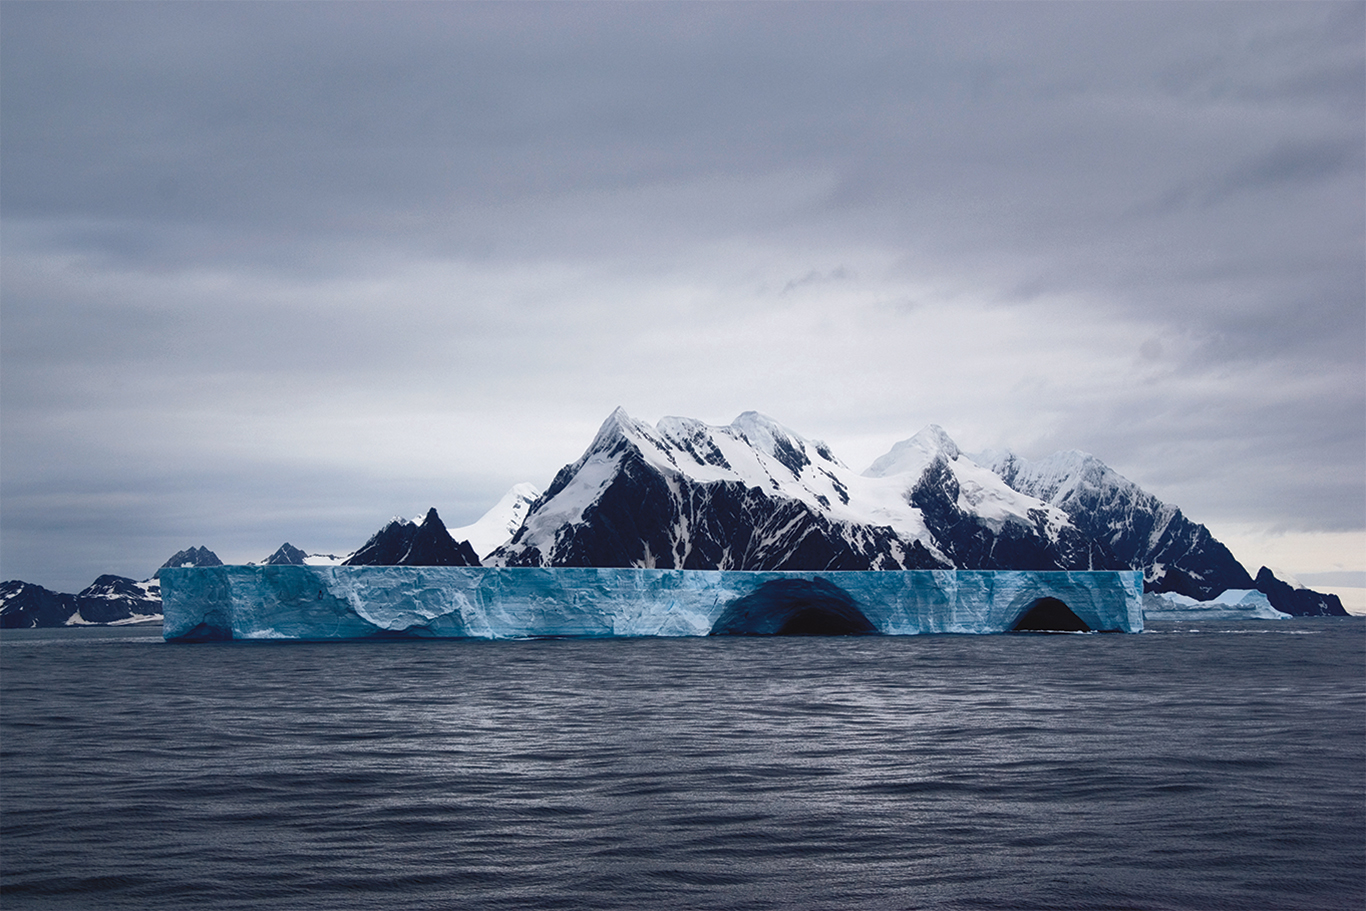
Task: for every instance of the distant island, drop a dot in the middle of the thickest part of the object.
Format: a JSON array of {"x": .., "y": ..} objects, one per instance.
[{"x": 754, "y": 495}]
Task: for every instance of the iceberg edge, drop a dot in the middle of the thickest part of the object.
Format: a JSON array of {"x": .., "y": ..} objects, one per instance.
[{"x": 360, "y": 602}]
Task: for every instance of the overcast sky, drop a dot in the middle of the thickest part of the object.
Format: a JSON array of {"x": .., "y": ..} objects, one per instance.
[{"x": 281, "y": 271}]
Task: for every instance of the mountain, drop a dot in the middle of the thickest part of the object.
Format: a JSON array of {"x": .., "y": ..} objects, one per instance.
[
  {"x": 387, "y": 546},
  {"x": 114, "y": 599},
  {"x": 194, "y": 556},
  {"x": 1176, "y": 554},
  {"x": 289, "y": 555},
  {"x": 109, "y": 599},
  {"x": 405, "y": 543},
  {"x": 497, "y": 526},
  {"x": 24, "y": 605},
  {"x": 286, "y": 555},
  {"x": 755, "y": 495},
  {"x": 1298, "y": 601}
]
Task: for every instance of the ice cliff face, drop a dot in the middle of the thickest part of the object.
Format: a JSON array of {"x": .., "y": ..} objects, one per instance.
[
  {"x": 346, "y": 602},
  {"x": 754, "y": 495}
]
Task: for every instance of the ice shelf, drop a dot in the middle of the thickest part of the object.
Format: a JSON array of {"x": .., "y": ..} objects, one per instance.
[{"x": 355, "y": 602}]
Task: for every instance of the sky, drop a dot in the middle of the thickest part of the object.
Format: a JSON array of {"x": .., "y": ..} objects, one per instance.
[{"x": 277, "y": 272}]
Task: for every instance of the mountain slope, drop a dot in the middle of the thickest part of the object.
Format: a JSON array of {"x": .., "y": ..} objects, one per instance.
[
  {"x": 193, "y": 556},
  {"x": 1176, "y": 554},
  {"x": 1301, "y": 602},
  {"x": 755, "y": 495},
  {"x": 405, "y": 543},
  {"x": 24, "y": 605},
  {"x": 497, "y": 526},
  {"x": 115, "y": 599},
  {"x": 109, "y": 599}
]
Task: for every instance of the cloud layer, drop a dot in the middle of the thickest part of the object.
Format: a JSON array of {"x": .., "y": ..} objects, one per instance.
[{"x": 278, "y": 271}]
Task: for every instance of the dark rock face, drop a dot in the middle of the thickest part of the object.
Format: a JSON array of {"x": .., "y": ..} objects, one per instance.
[
  {"x": 1197, "y": 565},
  {"x": 401, "y": 543},
  {"x": 386, "y": 547},
  {"x": 287, "y": 555},
  {"x": 107, "y": 600},
  {"x": 1049, "y": 615},
  {"x": 1176, "y": 554},
  {"x": 636, "y": 522},
  {"x": 794, "y": 607},
  {"x": 433, "y": 545},
  {"x": 658, "y": 497},
  {"x": 971, "y": 544},
  {"x": 112, "y": 598},
  {"x": 1300, "y": 602},
  {"x": 194, "y": 556},
  {"x": 24, "y": 605}
]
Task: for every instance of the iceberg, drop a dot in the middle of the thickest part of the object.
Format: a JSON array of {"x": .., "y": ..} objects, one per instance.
[
  {"x": 1234, "y": 604},
  {"x": 356, "y": 602}
]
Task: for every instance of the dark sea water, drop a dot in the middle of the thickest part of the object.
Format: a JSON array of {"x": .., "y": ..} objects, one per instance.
[{"x": 1196, "y": 766}]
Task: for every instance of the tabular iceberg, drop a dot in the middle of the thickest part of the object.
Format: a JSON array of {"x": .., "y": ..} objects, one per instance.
[
  {"x": 1234, "y": 604},
  {"x": 353, "y": 602}
]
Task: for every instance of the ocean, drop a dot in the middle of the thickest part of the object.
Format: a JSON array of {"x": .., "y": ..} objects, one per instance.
[{"x": 1195, "y": 766}]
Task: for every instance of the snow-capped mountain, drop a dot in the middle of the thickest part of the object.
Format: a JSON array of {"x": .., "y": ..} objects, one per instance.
[
  {"x": 116, "y": 599},
  {"x": 405, "y": 543},
  {"x": 193, "y": 556},
  {"x": 285, "y": 555},
  {"x": 289, "y": 555},
  {"x": 108, "y": 600},
  {"x": 755, "y": 495},
  {"x": 497, "y": 526},
  {"x": 1176, "y": 554}
]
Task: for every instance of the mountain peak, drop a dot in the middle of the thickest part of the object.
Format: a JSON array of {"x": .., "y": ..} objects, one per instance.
[
  {"x": 755, "y": 495},
  {"x": 497, "y": 526},
  {"x": 618, "y": 424},
  {"x": 193, "y": 556},
  {"x": 404, "y": 543},
  {"x": 432, "y": 545},
  {"x": 286, "y": 555},
  {"x": 770, "y": 438},
  {"x": 915, "y": 455}
]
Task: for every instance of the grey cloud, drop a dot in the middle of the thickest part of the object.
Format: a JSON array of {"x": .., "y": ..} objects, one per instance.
[
  {"x": 815, "y": 277},
  {"x": 453, "y": 202}
]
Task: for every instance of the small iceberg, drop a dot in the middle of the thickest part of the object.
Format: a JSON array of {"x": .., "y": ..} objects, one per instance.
[{"x": 1234, "y": 604}]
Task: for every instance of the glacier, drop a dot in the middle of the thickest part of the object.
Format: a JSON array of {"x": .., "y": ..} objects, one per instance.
[{"x": 357, "y": 602}]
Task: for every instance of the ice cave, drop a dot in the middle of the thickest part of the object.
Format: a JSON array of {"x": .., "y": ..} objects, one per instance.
[{"x": 1049, "y": 615}]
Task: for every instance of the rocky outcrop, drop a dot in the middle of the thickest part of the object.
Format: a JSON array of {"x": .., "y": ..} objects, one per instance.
[
  {"x": 1298, "y": 602},
  {"x": 404, "y": 543}
]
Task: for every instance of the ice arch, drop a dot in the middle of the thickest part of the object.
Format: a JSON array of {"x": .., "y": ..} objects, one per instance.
[
  {"x": 1049, "y": 615},
  {"x": 794, "y": 607}
]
